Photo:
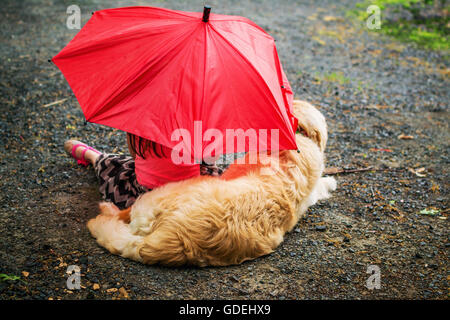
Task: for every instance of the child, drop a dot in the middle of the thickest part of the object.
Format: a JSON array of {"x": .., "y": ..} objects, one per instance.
[{"x": 124, "y": 178}]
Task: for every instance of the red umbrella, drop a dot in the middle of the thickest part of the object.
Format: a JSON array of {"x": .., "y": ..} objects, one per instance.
[{"x": 150, "y": 71}]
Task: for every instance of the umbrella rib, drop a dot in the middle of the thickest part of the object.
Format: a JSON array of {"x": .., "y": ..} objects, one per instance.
[
  {"x": 225, "y": 71},
  {"x": 112, "y": 41},
  {"x": 204, "y": 67},
  {"x": 116, "y": 95},
  {"x": 189, "y": 49},
  {"x": 152, "y": 8},
  {"x": 253, "y": 67},
  {"x": 246, "y": 21}
]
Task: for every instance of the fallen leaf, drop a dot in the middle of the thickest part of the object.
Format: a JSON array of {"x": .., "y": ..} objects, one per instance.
[
  {"x": 123, "y": 293},
  {"x": 381, "y": 149},
  {"x": 96, "y": 286},
  {"x": 417, "y": 172},
  {"x": 317, "y": 39},
  {"x": 25, "y": 274},
  {"x": 332, "y": 18},
  {"x": 405, "y": 137},
  {"x": 54, "y": 103},
  {"x": 435, "y": 188},
  {"x": 377, "y": 107},
  {"x": 112, "y": 290},
  {"x": 429, "y": 212}
]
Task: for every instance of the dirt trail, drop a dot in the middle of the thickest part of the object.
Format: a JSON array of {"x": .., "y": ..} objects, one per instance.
[{"x": 371, "y": 89}]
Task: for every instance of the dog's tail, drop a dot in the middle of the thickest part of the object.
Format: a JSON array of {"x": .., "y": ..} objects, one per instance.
[
  {"x": 114, "y": 234},
  {"x": 164, "y": 247}
]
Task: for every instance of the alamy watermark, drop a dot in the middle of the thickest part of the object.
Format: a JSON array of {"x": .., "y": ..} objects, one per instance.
[
  {"x": 374, "y": 281},
  {"x": 228, "y": 142},
  {"x": 74, "y": 280},
  {"x": 374, "y": 20},
  {"x": 74, "y": 19}
]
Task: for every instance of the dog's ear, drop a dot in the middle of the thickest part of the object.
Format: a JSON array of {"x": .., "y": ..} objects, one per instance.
[
  {"x": 317, "y": 137},
  {"x": 311, "y": 122}
]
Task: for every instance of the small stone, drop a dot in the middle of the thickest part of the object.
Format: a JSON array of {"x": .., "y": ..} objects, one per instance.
[
  {"x": 123, "y": 293},
  {"x": 90, "y": 296},
  {"x": 321, "y": 228},
  {"x": 243, "y": 292}
]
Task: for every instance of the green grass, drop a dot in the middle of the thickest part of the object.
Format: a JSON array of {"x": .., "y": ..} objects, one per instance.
[
  {"x": 337, "y": 77},
  {"x": 5, "y": 277},
  {"x": 430, "y": 33}
]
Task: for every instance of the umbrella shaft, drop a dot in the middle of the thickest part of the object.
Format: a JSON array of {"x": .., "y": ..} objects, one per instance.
[{"x": 206, "y": 11}]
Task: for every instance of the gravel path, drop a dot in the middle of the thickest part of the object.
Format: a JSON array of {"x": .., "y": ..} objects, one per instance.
[{"x": 371, "y": 89}]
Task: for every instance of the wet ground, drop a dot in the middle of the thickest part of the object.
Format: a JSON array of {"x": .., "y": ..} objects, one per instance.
[{"x": 372, "y": 90}]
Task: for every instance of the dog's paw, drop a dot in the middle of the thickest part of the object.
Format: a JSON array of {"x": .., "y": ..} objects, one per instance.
[
  {"x": 330, "y": 183},
  {"x": 108, "y": 208},
  {"x": 323, "y": 189}
]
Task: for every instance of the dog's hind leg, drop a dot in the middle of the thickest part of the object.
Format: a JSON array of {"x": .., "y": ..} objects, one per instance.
[{"x": 115, "y": 235}]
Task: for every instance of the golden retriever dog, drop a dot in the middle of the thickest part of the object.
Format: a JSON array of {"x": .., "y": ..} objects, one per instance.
[{"x": 219, "y": 221}]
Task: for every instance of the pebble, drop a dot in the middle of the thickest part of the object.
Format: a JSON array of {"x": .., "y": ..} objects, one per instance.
[
  {"x": 321, "y": 228},
  {"x": 243, "y": 292}
]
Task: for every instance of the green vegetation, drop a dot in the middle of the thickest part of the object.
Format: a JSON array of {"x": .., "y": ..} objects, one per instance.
[
  {"x": 429, "y": 30},
  {"x": 337, "y": 77},
  {"x": 5, "y": 277}
]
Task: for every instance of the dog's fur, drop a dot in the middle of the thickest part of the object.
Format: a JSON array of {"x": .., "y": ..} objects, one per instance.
[{"x": 222, "y": 221}]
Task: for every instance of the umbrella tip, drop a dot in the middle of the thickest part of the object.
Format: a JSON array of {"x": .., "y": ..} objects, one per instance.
[
  {"x": 206, "y": 11},
  {"x": 50, "y": 60}
]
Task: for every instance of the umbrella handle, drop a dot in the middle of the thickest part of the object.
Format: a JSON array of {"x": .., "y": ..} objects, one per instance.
[{"x": 206, "y": 11}]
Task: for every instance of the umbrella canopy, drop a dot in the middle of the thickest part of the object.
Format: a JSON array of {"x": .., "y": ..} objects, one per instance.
[{"x": 150, "y": 71}]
